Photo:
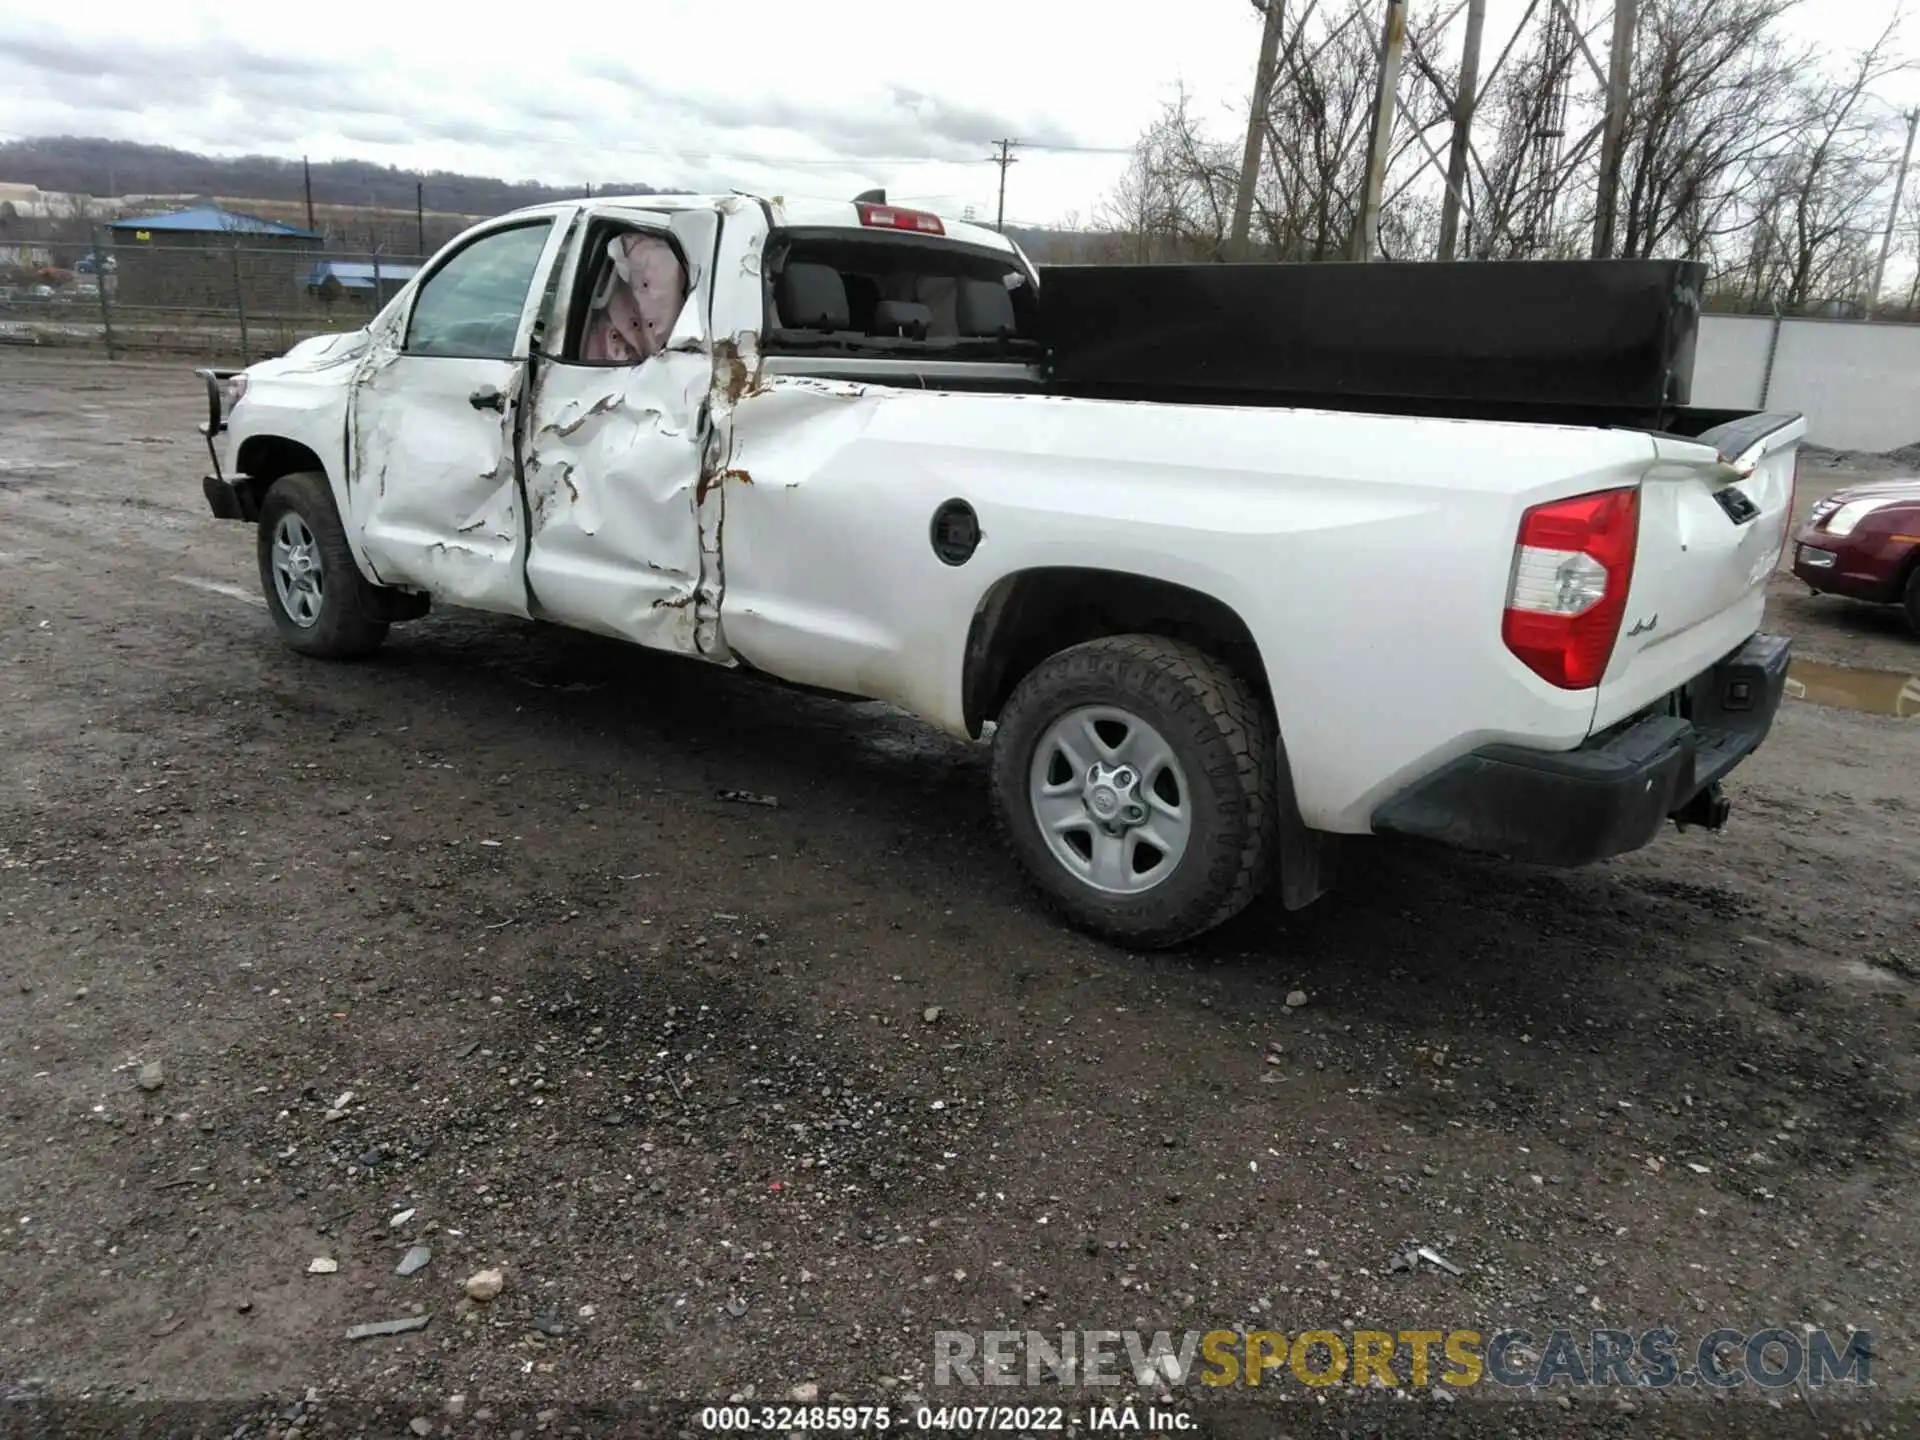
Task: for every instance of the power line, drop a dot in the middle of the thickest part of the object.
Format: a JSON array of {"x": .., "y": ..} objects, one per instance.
[
  {"x": 1078, "y": 149},
  {"x": 849, "y": 162}
]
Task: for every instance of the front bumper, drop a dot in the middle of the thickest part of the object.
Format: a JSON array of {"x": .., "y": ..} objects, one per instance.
[
  {"x": 228, "y": 499},
  {"x": 1612, "y": 794},
  {"x": 1860, "y": 567}
]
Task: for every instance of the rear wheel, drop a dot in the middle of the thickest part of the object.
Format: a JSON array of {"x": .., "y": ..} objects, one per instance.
[
  {"x": 320, "y": 603},
  {"x": 1134, "y": 777},
  {"x": 1911, "y": 603}
]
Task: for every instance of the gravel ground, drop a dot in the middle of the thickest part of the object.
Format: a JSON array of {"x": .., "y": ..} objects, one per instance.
[{"x": 460, "y": 949}]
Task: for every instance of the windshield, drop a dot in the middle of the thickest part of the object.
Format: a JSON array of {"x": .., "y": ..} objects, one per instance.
[{"x": 897, "y": 297}]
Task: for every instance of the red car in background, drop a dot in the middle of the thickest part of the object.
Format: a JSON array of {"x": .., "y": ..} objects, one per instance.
[{"x": 1864, "y": 542}]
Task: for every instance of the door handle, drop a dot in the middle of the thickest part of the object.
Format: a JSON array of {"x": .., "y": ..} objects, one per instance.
[{"x": 487, "y": 398}]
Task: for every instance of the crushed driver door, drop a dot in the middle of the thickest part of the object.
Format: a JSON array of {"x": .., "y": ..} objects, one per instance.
[
  {"x": 617, "y": 435},
  {"x": 434, "y": 483}
]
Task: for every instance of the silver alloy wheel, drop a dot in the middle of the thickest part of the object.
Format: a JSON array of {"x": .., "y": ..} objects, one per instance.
[
  {"x": 1111, "y": 800},
  {"x": 296, "y": 571}
]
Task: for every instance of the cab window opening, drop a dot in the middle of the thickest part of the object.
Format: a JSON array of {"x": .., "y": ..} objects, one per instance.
[{"x": 632, "y": 288}]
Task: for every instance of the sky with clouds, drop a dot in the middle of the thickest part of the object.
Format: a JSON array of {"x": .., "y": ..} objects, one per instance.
[{"x": 818, "y": 97}]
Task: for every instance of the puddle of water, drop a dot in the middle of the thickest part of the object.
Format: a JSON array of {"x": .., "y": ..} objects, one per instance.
[{"x": 1879, "y": 692}]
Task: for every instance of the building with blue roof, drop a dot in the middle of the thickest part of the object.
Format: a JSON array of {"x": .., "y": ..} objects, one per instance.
[
  {"x": 378, "y": 281},
  {"x": 204, "y": 220},
  {"x": 210, "y": 259}
]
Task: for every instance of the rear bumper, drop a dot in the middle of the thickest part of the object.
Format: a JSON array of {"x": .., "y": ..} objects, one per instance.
[{"x": 1612, "y": 794}]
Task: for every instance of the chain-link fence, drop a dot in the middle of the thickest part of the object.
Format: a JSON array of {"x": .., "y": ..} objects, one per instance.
[{"x": 218, "y": 297}]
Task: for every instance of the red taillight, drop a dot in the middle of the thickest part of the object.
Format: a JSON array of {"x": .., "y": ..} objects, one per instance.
[
  {"x": 1568, "y": 591},
  {"x": 892, "y": 217}
]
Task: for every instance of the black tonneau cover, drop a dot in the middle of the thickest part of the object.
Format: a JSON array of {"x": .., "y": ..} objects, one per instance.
[{"x": 1585, "y": 342}]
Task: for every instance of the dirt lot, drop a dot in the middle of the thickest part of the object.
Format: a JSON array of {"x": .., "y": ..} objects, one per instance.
[{"x": 745, "y": 1099}]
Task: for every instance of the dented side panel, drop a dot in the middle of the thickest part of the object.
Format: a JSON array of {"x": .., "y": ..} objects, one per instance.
[
  {"x": 433, "y": 440},
  {"x": 1283, "y": 516},
  {"x": 434, "y": 493},
  {"x": 616, "y": 465},
  {"x": 612, "y": 463}
]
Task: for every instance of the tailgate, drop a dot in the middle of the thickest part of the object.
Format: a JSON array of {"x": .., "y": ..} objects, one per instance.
[{"x": 1714, "y": 513}]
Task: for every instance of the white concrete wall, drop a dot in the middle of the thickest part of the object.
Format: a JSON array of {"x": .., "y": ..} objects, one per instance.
[
  {"x": 1730, "y": 360},
  {"x": 1857, "y": 383}
]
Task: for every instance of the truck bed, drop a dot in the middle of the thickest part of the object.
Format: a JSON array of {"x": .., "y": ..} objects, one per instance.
[
  {"x": 1608, "y": 343},
  {"x": 1579, "y": 342}
]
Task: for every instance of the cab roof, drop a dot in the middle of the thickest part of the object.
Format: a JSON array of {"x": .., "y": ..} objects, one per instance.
[{"x": 800, "y": 213}]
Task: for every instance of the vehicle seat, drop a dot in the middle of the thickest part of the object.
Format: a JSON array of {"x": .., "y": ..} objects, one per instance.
[
  {"x": 985, "y": 308},
  {"x": 811, "y": 296},
  {"x": 940, "y": 294}
]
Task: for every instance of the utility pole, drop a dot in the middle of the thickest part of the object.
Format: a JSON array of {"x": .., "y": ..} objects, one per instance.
[
  {"x": 1393, "y": 40},
  {"x": 420, "y": 218},
  {"x": 1913, "y": 294},
  {"x": 1005, "y": 158},
  {"x": 1263, "y": 69},
  {"x": 1893, "y": 215},
  {"x": 1626, "y": 14},
  {"x": 306, "y": 175},
  {"x": 1464, "y": 104}
]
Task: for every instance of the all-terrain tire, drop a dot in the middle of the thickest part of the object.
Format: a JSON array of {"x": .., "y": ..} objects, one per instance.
[
  {"x": 341, "y": 626},
  {"x": 1223, "y": 741}
]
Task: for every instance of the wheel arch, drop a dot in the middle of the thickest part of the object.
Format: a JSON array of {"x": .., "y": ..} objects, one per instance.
[
  {"x": 1906, "y": 591},
  {"x": 1031, "y": 614},
  {"x": 263, "y": 459}
]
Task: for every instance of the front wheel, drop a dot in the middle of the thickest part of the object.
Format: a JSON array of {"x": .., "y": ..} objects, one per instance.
[
  {"x": 1134, "y": 777},
  {"x": 1911, "y": 601},
  {"x": 315, "y": 593}
]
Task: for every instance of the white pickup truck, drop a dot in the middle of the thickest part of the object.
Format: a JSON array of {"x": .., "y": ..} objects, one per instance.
[{"x": 818, "y": 441}]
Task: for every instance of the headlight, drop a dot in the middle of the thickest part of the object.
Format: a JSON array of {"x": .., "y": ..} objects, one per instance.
[
  {"x": 1843, "y": 520},
  {"x": 236, "y": 389}
]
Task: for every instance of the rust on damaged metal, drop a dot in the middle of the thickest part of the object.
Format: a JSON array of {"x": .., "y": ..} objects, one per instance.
[{"x": 736, "y": 370}]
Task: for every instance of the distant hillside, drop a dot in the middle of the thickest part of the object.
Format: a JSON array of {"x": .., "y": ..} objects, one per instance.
[
  {"x": 120, "y": 167},
  {"x": 358, "y": 206},
  {"x": 1061, "y": 247}
]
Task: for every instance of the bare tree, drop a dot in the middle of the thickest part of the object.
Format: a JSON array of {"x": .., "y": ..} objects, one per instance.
[
  {"x": 1910, "y": 228},
  {"x": 1739, "y": 149},
  {"x": 1834, "y": 175},
  {"x": 1523, "y": 185},
  {"x": 1175, "y": 201},
  {"x": 1713, "y": 99},
  {"x": 1317, "y": 128}
]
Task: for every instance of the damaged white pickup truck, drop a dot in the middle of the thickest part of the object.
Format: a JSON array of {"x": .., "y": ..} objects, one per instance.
[{"x": 1213, "y": 617}]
